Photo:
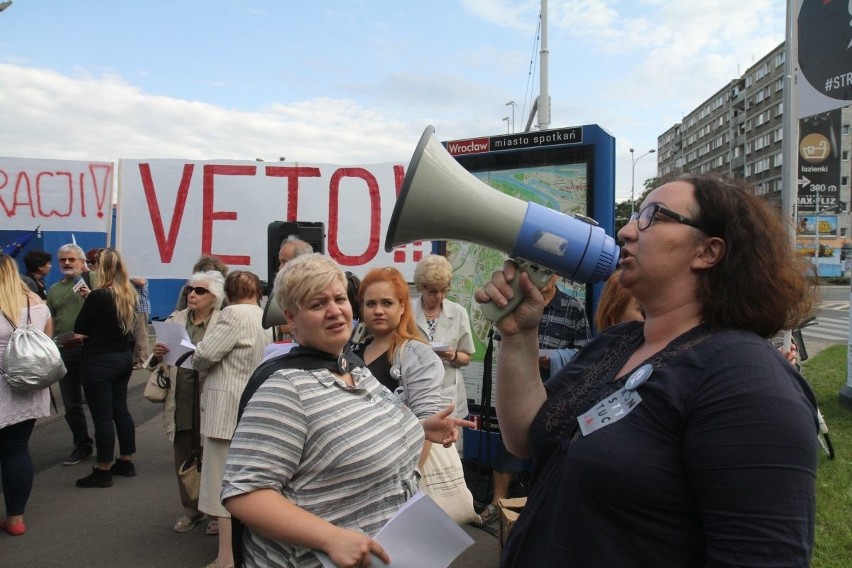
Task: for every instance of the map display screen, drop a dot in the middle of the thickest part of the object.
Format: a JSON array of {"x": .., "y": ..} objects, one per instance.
[{"x": 558, "y": 177}]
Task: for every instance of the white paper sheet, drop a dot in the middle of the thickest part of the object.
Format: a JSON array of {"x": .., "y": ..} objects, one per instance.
[
  {"x": 173, "y": 335},
  {"x": 419, "y": 535}
]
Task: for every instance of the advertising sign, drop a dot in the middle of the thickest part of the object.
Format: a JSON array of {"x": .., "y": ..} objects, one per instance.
[
  {"x": 819, "y": 162},
  {"x": 827, "y": 226}
]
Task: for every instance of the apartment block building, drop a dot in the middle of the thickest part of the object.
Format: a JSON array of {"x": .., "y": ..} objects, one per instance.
[{"x": 738, "y": 131}]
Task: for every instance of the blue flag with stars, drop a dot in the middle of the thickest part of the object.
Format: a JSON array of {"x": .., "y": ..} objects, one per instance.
[{"x": 13, "y": 248}]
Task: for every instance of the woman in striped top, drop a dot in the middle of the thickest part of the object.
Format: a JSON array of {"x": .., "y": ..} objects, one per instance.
[{"x": 322, "y": 458}]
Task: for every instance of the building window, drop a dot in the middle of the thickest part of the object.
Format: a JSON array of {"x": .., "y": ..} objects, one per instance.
[{"x": 845, "y": 155}]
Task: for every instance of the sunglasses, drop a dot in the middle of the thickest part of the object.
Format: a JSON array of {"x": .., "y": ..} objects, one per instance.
[{"x": 199, "y": 291}]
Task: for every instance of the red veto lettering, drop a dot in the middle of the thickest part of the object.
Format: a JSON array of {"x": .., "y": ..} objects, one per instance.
[
  {"x": 334, "y": 216},
  {"x": 165, "y": 244},
  {"x": 292, "y": 173},
  {"x": 208, "y": 215},
  {"x": 398, "y": 178}
]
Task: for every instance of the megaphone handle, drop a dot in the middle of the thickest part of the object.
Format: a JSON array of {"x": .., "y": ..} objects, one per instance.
[{"x": 494, "y": 313}]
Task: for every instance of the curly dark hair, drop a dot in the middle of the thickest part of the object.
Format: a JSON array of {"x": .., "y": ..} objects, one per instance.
[
  {"x": 761, "y": 284},
  {"x": 35, "y": 259}
]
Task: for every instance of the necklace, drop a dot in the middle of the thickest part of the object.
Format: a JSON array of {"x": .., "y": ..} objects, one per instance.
[{"x": 433, "y": 314}]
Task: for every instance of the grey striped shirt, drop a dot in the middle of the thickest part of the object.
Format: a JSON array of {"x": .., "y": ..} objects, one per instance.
[{"x": 347, "y": 455}]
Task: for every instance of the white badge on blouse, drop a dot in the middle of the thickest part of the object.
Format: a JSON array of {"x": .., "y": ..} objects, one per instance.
[{"x": 617, "y": 405}]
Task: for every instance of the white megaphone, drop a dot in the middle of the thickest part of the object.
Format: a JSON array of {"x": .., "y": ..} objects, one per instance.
[
  {"x": 441, "y": 200},
  {"x": 272, "y": 314}
]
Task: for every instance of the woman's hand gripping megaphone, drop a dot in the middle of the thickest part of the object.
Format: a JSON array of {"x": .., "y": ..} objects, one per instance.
[{"x": 514, "y": 290}]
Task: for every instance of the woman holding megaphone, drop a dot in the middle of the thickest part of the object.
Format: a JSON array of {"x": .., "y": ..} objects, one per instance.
[{"x": 683, "y": 440}]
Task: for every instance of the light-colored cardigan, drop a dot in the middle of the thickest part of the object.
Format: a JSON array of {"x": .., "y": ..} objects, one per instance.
[
  {"x": 420, "y": 378},
  {"x": 229, "y": 353},
  {"x": 453, "y": 330},
  {"x": 169, "y": 405}
]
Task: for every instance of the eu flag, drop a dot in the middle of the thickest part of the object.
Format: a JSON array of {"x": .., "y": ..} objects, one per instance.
[{"x": 13, "y": 248}]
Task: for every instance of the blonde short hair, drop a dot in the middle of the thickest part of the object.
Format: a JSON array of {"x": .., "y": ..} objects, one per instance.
[
  {"x": 303, "y": 277},
  {"x": 434, "y": 269}
]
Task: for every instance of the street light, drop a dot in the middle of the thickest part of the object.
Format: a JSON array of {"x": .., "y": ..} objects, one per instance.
[
  {"x": 633, "y": 177},
  {"x": 506, "y": 120},
  {"x": 513, "y": 104}
]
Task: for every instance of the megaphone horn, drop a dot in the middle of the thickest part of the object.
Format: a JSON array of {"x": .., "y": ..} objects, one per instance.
[
  {"x": 440, "y": 200},
  {"x": 272, "y": 314}
]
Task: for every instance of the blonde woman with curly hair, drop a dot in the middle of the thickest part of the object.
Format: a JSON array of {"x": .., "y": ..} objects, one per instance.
[
  {"x": 106, "y": 321},
  {"x": 18, "y": 410}
]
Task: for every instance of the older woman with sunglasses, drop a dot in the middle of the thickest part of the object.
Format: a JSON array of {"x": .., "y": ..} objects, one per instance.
[
  {"x": 204, "y": 294},
  {"x": 229, "y": 354},
  {"x": 682, "y": 440}
]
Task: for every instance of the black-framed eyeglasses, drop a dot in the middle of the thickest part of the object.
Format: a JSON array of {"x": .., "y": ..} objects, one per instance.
[
  {"x": 648, "y": 214},
  {"x": 199, "y": 291}
]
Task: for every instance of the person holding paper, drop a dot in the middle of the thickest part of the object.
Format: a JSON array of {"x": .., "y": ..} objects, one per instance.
[
  {"x": 229, "y": 354},
  {"x": 323, "y": 456},
  {"x": 204, "y": 293},
  {"x": 65, "y": 298},
  {"x": 685, "y": 439},
  {"x": 445, "y": 324}
]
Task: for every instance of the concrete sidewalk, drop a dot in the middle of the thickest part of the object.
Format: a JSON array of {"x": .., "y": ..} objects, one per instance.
[{"x": 129, "y": 524}]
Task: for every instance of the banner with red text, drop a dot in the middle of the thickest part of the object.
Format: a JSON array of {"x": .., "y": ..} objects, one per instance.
[
  {"x": 55, "y": 195},
  {"x": 172, "y": 211}
]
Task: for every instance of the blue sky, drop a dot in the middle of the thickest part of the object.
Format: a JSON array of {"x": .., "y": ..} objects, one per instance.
[{"x": 356, "y": 82}]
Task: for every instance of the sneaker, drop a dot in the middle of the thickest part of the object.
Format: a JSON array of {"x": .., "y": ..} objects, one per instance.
[
  {"x": 123, "y": 467},
  {"x": 79, "y": 454},
  {"x": 98, "y": 478}
]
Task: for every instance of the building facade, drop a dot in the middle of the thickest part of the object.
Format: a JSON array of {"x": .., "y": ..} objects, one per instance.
[{"x": 738, "y": 131}]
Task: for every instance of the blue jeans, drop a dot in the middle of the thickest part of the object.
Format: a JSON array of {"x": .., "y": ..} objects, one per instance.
[
  {"x": 105, "y": 378},
  {"x": 16, "y": 465}
]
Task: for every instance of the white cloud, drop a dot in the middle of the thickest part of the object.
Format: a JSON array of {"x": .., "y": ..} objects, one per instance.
[{"x": 48, "y": 115}]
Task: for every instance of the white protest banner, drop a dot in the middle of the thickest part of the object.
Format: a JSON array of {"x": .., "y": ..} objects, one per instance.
[
  {"x": 56, "y": 195},
  {"x": 172, "y": 211}
]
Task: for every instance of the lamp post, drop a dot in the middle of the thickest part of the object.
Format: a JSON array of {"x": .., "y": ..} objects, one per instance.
[
  {"x": 506, "y": 120},
  {"x": 513, "y": 104},
  {"x": 816, "y": 229},
  {"x": 633, "y": 177}
]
